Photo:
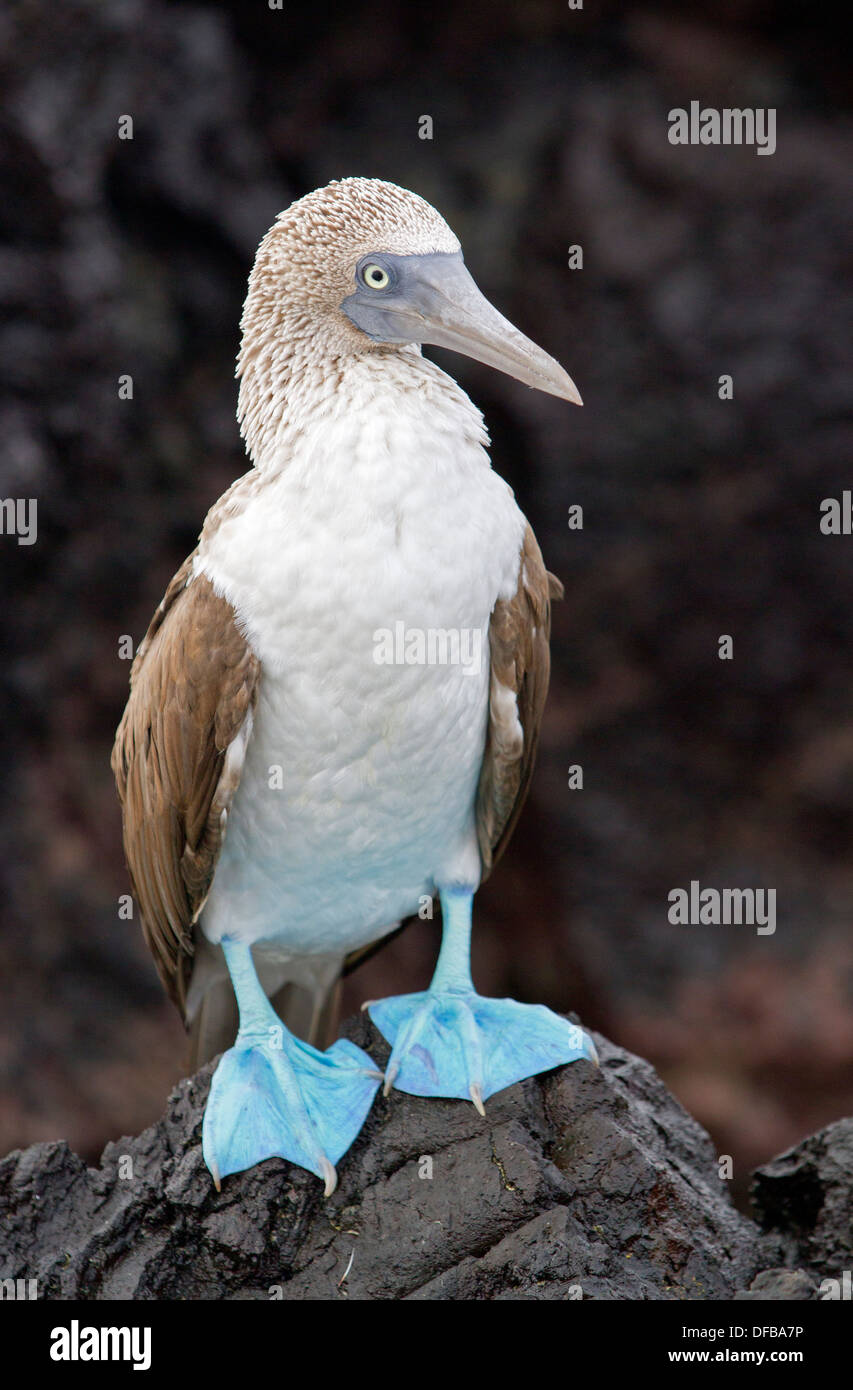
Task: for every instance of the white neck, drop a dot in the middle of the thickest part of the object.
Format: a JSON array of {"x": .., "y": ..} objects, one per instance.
[{"x": 289, "y": 395}]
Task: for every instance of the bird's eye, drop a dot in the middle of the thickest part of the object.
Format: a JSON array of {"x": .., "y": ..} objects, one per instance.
[{"x": 374, "y": 277}]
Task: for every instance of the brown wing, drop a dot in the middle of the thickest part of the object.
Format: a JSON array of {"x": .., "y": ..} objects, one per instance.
[
  {"x": 177, "y": 761},
  {"x": 520, "y": 668}
]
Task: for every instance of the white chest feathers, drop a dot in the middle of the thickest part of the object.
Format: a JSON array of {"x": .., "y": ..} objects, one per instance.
[{"x": 363, "y": 568}]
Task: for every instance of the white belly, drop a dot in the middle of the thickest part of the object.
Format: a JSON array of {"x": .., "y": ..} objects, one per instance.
[{"x": 357, "y": 794}]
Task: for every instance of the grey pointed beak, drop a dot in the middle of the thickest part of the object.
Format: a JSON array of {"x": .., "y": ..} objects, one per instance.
[{"x": 433, "y": 299}]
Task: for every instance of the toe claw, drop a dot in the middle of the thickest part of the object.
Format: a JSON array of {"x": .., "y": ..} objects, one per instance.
[
  {"x": 330, "y": 1176},
  {"x": 390, "y": 1077},
  {"x": 476, "y": 1094}
]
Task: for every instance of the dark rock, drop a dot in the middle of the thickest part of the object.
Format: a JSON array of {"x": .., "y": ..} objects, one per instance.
[
  {"x": 806, "y": 1195},
  {"x": 583, "y": 1183},
  {"x": 791, "y": 1285}
]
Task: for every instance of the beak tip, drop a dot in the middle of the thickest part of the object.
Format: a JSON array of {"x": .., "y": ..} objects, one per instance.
[{"x": 571, "y": 393}]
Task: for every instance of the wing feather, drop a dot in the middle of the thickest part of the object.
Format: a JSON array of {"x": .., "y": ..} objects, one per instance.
[
  {"x": 519, "y": 637},
  {"x": 177, "y": 761}
]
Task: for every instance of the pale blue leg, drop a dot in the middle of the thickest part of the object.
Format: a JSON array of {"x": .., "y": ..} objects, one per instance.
[
  {"x": 450, "y": 1041},
  {"x": 274, "y": 1095}
]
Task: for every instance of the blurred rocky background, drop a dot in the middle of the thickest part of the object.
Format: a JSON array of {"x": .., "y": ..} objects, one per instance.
[{"x": 701, "y": 516}]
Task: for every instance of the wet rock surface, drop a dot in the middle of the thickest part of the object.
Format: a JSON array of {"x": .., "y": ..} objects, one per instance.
[{"x": 584, "y": 1183}]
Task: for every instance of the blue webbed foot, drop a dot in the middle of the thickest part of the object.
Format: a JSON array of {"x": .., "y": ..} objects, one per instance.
[
  {"x": 450, "y": 1041},
  {"x": 274, "y": 1095},
  {"x": 456, "y": 1043},
  {"x": 294, "y": 1103}
]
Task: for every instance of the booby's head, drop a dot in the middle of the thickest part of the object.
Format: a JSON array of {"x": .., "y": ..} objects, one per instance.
[{"x": 365, "y": 266}]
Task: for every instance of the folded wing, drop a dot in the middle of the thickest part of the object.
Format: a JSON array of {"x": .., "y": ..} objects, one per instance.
[
  {"x": 177, "y": 760},
  {"x": 519, "y": 638}
]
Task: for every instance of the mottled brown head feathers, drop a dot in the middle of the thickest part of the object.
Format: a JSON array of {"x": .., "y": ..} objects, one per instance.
[{"x": 292, "y": 323}]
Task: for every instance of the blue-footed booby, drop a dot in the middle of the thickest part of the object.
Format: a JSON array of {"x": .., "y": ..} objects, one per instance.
[{"x": 334, "y": 713}]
